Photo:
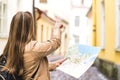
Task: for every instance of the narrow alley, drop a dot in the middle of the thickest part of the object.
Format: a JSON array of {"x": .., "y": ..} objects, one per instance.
[{"x": 89, "y": 22}]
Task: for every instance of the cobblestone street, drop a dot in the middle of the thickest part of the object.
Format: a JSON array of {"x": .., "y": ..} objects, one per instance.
[{"x": 91, "y": 74}]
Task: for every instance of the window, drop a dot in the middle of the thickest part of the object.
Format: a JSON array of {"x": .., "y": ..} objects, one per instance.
[
  {"x": 117, "y": 25},
  {"x": 75, "y": 3},
  {"x": 3, "y": 17},
  {"x": 82, "y": 1},
  {"x": 43, "y": 1},
  {"x": 42, "y": 33},
  {"x": 76, "y": 38},
  {"x": 103, "y": 25},
  {"x": 77, "y": 21}
]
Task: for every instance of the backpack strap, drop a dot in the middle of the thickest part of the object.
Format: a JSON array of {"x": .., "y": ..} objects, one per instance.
[
  {"x": 3, "y": 61},
  {"x": 34, "y": 73},
  {"x": 1, "y": 66},
  {"x": 2, "y": 77}
]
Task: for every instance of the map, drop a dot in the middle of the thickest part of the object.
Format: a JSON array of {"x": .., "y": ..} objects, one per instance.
[{"x": 80, "y": 58}]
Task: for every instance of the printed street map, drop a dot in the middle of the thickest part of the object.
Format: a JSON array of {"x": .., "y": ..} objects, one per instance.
[{"x": 80, "y": 58}]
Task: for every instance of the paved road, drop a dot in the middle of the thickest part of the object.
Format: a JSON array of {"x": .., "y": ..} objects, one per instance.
[{"x": 91, "y": 74}]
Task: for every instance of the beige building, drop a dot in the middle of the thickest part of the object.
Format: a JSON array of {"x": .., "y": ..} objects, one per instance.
[{"x": 44, "y": 27}]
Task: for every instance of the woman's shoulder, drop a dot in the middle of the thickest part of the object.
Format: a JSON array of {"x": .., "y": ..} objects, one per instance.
[{"x": 30, "y": 45}]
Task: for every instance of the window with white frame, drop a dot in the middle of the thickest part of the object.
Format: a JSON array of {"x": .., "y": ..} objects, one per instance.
[
  {"x": 76, "y": 38},
  {"x": 77, "y": 21},
  {"x": 76, "y": 3},
  {"x": 117, "y": 25},
  {"x": 3, "y": 17},
  {"x": 103, "y": 25},
  {"x": 43, "y": 1}
]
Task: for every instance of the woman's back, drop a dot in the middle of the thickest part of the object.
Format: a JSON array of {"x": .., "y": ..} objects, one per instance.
[{"x": 25, "y": 57}]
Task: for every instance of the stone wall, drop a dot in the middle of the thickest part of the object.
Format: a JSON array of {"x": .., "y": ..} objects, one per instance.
[{"x": 109, "y": 69}]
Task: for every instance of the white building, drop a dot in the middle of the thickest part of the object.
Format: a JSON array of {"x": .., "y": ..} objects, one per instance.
[
  {"x": 73, "y": 11},
  {"x": 7, "y": 9},
  {"x": 53, "y": 8},
  {"x": 80, "y": 31}
]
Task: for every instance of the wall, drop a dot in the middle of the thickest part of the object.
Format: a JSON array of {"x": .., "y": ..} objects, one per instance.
[
  {"x": 44, "y": 34},
  {"x": 109, "y": 53},
  {"x": 14, "y": 6},
  {"x": 47, "y": 28}
]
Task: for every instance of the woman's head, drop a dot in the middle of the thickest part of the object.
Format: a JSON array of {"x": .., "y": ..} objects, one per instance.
[
  {"x": 21, "y": 27},
  {"x": 21, "y": 32}
]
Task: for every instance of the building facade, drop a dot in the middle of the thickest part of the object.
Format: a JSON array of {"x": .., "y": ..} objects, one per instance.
[
  {"x": 106, "y": 34},
  {"x": 44, "y": 28},
  {"x": 7, "y": 10},
  {"x": 80, "y": 30}
]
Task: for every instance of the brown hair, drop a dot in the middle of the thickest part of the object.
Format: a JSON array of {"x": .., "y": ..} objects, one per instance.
[{"x": 21, "y": 32}]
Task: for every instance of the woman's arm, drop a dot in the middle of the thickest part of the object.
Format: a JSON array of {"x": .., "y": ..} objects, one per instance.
[{"x": 45, "y": 48}]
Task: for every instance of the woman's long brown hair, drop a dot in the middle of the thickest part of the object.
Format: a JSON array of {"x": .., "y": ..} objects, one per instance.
[{"x": 21, "y": 32}]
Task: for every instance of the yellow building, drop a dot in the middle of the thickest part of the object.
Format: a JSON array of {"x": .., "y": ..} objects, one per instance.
[
  {"x": 106, "y": 34},
  {"x": 44, "y": 28}
]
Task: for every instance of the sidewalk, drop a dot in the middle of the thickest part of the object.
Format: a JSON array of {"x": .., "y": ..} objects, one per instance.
[{"x": 91, "y": 74}]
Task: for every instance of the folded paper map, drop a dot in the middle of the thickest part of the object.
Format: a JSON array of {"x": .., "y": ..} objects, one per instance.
[{"x": 80, "y": 58}]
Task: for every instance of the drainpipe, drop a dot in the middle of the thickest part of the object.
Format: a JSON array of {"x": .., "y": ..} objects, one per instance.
[
  {"x": 33, "y": 7},
  {"x": 94, "y": 24}
]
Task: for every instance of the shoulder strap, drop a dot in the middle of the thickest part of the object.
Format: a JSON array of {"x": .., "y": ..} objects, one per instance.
[
  {"x": 7, "y": 73},
  {"x": 3, "y": 60},
  {"x": 35, "y": 73}
]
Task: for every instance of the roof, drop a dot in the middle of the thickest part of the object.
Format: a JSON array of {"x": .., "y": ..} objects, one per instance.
[
  {"x": 89, "y": 11},
  {"x": 42, "y": 12}
]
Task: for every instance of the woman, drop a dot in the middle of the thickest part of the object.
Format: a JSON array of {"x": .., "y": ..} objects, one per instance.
[{"x": 26, "y": 57}]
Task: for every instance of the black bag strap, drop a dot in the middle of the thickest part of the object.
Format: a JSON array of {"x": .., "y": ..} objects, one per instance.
[
  {"x": 3, "y": 61},
  {"x": 34, "y": 73},
  {"x": 12, "y": 75}
]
